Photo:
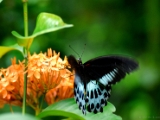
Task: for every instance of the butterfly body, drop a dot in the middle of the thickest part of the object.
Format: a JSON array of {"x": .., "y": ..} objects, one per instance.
[{"x": 93, "y": 80}]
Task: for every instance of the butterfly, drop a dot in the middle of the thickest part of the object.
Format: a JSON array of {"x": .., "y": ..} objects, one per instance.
[{"x": 94, "y": 79}]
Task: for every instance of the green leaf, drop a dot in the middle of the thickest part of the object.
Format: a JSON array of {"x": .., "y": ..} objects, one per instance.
[
  {"x": 68, "y": 108},
  {"x": 5, "y": 49},
  {"x": 46, "y": 22},
  {"x": 23, "y": 41},
  {"x": 17, "y": 116}
]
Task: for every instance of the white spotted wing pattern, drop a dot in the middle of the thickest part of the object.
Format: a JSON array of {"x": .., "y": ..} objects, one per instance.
[{"x": 93, "y": 80}]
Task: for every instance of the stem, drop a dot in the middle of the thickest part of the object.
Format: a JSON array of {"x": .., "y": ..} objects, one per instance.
[
  {"x": 38, "y": 110},
  {"x": 25, "y": 12},
  {"x": 11, "y": 109},
  {"x": 41, "y": 105},
  {"x": 25, "y": 89}
]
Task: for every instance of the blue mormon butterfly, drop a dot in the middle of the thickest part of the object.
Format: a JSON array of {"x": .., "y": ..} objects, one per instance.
[{"x": 94, "y": 79}]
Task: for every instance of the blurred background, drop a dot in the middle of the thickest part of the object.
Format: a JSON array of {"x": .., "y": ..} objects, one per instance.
[{"x": 121, "y": 27}]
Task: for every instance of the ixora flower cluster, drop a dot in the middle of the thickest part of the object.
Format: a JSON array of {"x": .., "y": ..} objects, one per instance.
[{"x": 46, "y": 76}]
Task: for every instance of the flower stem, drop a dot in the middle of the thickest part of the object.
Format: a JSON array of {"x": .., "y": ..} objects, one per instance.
[
  {"x": 41, "y": 104},
  {"x": 11, "y": 108},
  {"x": 25, "y": 89},
  {"x": 25, "y": 12}
]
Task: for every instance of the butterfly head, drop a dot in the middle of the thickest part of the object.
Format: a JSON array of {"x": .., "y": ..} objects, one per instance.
[{"x": 79, "y": 61}]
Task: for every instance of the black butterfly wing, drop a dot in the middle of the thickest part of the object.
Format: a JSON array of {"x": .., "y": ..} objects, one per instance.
[
  {"x": 102, "y": 72},
  {"x": 93, "y": 79},
  {"x": 113, "y": 68}
]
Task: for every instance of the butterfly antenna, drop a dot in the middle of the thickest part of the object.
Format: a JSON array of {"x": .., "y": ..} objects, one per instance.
[
  {"x": 83, "y": 50},
  {"x": 75, "y": 51}
]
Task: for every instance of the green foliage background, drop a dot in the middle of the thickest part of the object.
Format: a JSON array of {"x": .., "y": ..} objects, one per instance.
[{"x": 123, "y": 27}]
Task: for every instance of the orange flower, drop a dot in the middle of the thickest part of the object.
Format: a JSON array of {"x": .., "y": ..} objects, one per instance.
[
  {"x": 63, "y": 90},
  {"x": 46, "y": 75},
  {"x": 10, "y": 81}
]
